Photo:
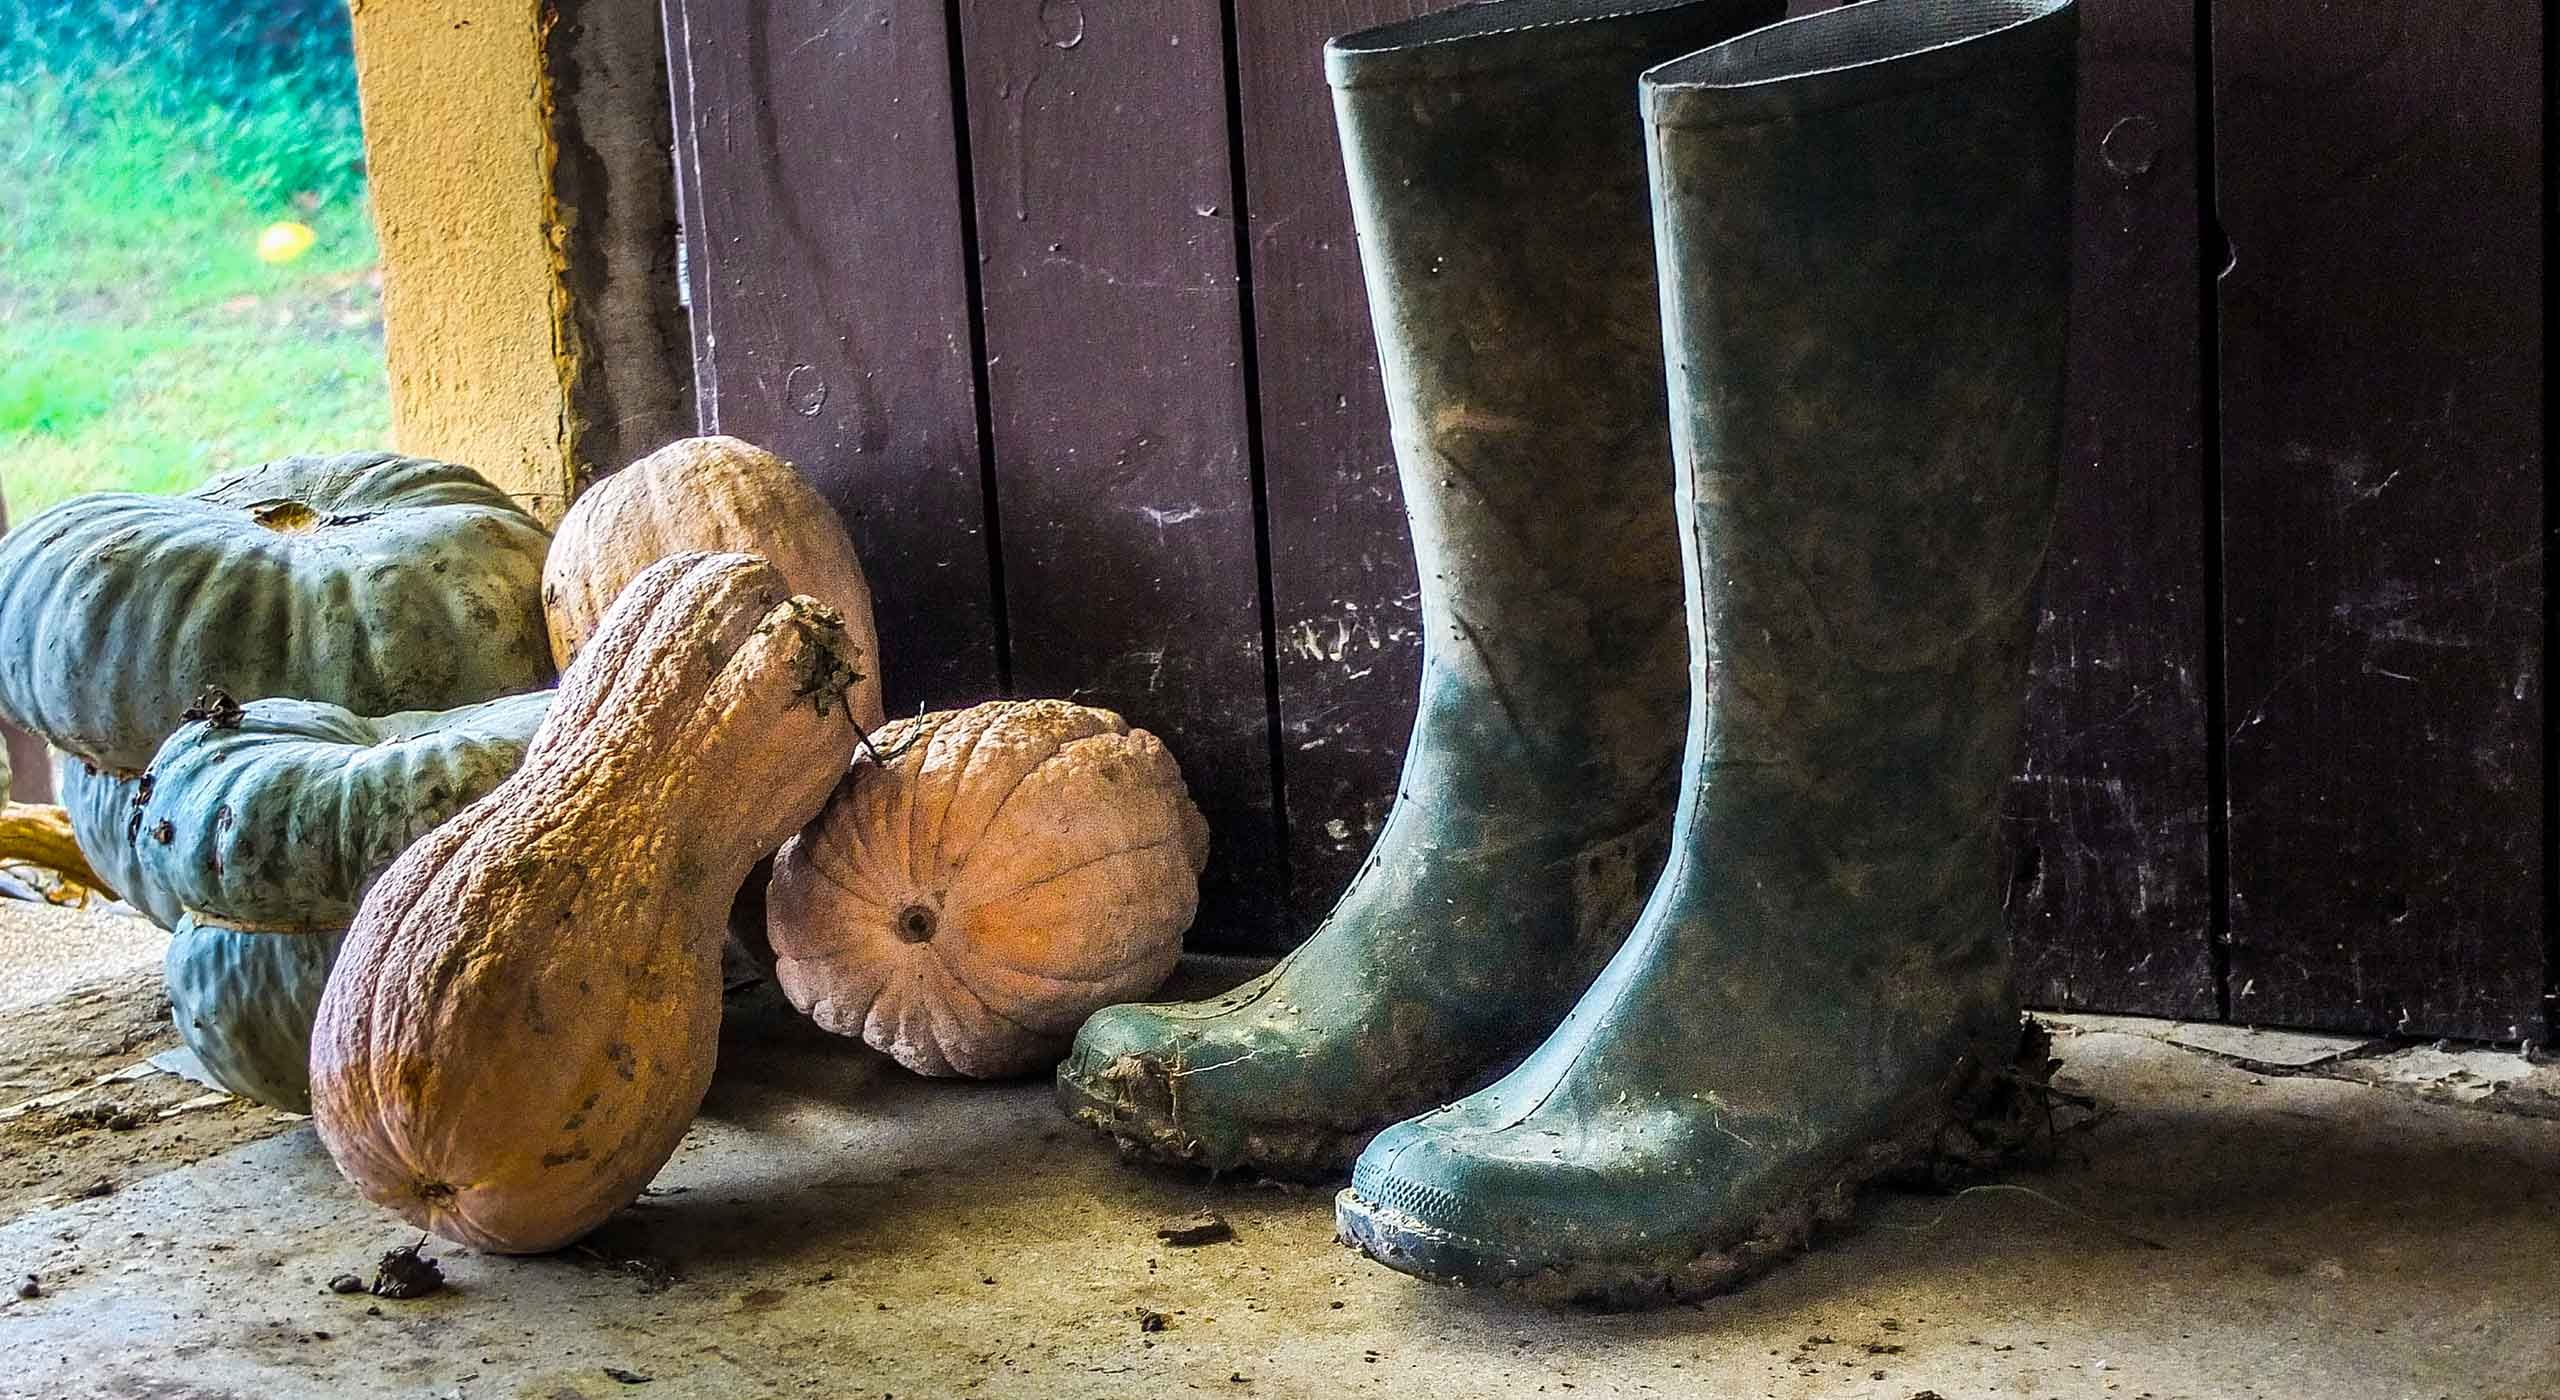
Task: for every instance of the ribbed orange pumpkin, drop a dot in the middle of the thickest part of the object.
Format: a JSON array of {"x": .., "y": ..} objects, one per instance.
[
  {"x": 523, "y": 1019},
  {"x": 713, "y": 494},
  {"x": 1008, "y": 871}
]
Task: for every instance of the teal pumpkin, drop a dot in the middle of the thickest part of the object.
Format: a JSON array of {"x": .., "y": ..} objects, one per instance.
[
  {"x": 379, "y": 582},
  {"x": 100, "y": 805},
  {"x": 256, "y": 835},
  {"x": 244, "y": 1002},
  {"x": 277, "y": 814}
]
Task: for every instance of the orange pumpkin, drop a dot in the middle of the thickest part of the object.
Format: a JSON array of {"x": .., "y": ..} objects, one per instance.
[
  {"x": 1006, "y": 872},
  {"x": 710, "y": 494}
]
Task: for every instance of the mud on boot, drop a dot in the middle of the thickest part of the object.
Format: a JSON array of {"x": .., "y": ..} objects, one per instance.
[
  {"x": 1864, "y": 225},
  {"x": 1986, "y": 1115},
  {"x": 1497, "y": 172}
]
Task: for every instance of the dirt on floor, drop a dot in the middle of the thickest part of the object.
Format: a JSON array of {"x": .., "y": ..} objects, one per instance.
[
  {"x": 2240, "y": 1220},
  {"x": 83, "y": 1112}
]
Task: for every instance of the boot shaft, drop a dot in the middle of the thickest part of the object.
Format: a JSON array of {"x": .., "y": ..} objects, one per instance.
[
  {"x": 1864, "y": 222},
  {"x": 1496, "y": 164}
]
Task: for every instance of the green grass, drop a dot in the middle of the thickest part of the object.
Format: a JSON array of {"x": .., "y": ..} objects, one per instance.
[{"x": 143, "y": 346}]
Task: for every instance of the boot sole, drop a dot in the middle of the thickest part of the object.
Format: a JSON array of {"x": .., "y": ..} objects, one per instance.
[
  {"x": 1297, "y": 1152},
  {"x": 1983, "y": 1118}
]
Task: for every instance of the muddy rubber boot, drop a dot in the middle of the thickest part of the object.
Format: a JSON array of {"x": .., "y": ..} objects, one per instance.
[
  {"x": 1864, "y": 219},
  {"x": 1497, "y": 172}
]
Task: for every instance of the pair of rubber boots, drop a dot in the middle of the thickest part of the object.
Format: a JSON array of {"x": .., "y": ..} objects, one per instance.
[{"x": 1860, "y": 222}]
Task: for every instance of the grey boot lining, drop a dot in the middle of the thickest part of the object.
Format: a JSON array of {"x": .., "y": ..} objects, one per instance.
[
  {"x": 1841, "y": 57},
  {"x": 1497, "y": 35}
]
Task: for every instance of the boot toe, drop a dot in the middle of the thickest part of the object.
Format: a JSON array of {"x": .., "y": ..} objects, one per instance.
[
  {"x": 1123, "y": 1076},
  {"x": 1456, "y": 1202},
  {"x": 1610, "y": 1206},
  {"x": 1208, "y": 1084}
]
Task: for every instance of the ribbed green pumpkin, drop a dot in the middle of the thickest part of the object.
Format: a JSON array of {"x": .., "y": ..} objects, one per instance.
[
  {"x": 244, "y": 1002},
  {"x": 260, "y": 832},
  {"x": 375, "y": 581},
  {"x": 100, "y": 805},
  {"x": 277, "y": 816}
]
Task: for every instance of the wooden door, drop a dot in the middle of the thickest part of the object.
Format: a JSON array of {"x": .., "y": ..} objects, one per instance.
[{"x": 1059, "y": 300}]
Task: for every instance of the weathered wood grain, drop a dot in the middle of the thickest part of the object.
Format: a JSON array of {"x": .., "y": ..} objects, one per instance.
[
  {"x": 693, "y": 258},
  {"x": 1117, "y": 389},
  {"x": 1344, "y": 600},
  {"x": 623, "y": 337},
  {"x": 2381, "y": 183},
  {"x": 830, "y": 297},
  {"x": 2110, "y": 900}
]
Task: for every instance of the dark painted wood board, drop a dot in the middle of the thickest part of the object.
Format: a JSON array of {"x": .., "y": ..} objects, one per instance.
[
  {"x": 1114, "y": 319},
  {"x": 2110, "y": 899},
  {"x": 1344, "y": 600},
  {"x": 830, "y": 298},
  {"x": 695, "y": 260},
  {"x": 2380, "y": 180},
  {"x": 610, "y": 124}
]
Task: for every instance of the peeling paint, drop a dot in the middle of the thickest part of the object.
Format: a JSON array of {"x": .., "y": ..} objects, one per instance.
[{"x": 1338, "y": 637}]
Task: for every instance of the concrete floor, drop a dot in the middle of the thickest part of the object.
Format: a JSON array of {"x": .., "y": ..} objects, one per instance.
[
  {"x": 45, "y": 952},
  {"x": 834, "y": 1227}
]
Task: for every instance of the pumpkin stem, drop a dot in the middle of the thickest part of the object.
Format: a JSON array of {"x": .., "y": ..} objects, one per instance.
[
  {"x": 914, "y": 737},
  {"x": 286, "y": 517},
  {"x": 825, "y": 671},
  {"x": 216, "y": 707}
]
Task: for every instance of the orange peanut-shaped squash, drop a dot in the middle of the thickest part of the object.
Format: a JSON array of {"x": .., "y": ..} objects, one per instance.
[{"x": 523, "y": 1019}]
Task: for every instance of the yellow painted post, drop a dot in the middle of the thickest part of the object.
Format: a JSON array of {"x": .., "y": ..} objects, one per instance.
[{"x": 515, "y": 147}]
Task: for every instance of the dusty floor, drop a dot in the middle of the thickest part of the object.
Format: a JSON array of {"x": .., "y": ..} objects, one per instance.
[
  {"x": 45, "y": 952},
  {"x": 834, "y": 1227},
  {"x": 81, "y": 1108}
]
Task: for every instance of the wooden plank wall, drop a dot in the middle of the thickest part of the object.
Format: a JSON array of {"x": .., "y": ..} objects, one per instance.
[
  {"x": 2111, "y": 896},
  {"x": 1060, "y": 300},
  {"x": 1121, "y": 449},
  {"x": 828, "y": 256},
  {"x": 2380, "y": 178},
  {"x": 1347, "y": 644}
]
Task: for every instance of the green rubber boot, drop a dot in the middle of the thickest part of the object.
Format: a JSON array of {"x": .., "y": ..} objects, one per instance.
[
  {"x": 1497, "y": 172},
  {"x": 1864, "y": 218}
]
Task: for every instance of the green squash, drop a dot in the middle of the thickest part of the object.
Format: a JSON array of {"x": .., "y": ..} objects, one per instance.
[
  {"x": 244, "y": 1002},
  {"x": 100, "y": 805},
  {"x": 375, "y": 581},
  {"x": 257, "y": 833},
  {"x": 277, "y": 814}
]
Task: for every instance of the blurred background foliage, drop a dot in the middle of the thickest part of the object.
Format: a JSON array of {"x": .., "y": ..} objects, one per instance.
[{"x": 145, "y": 146}]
